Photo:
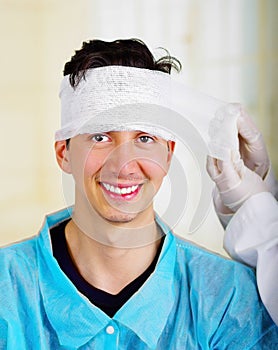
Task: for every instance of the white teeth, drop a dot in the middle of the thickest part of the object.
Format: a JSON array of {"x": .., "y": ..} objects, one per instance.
[
  {"x": 118, "y": 190},
  {"x": 107, "y": 186}
]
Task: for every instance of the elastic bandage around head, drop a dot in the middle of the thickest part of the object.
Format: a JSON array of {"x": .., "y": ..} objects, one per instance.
[{"x": 120, "y": 98}]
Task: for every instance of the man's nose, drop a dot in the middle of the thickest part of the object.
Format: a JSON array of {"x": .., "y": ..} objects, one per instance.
[{"x": 123, "y": 160}]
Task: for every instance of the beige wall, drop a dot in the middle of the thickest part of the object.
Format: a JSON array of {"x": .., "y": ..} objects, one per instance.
[
  {"x": 36, "y": 37},
  {"x": 214, "y": 41}
]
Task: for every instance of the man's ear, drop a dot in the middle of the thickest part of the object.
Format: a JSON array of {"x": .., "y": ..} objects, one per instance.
[
  {"x": 171, "y": 147},
  {"x": 62, "y": 156}
]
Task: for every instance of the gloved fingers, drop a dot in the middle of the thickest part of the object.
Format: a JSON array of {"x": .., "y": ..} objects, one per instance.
[
  {"x": 219, "y": 206},
  {"x": 259, "y": 163},
  {"x": 219, "y": 170},
  {"x": 251, "y": 184},
  {"x": 234, "y": 178},
  {"x": 212, "y": 167},
  {"x": 247, "y": 128},
  {"x": 229, "y": 176},
  {"x": 252, "y": 146},
  {"x": 225, "y": 174},
  {"x": 255, "y": 156}
]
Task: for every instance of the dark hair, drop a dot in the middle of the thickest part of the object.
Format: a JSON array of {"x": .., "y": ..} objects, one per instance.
[{"x": 123, "y": 52}]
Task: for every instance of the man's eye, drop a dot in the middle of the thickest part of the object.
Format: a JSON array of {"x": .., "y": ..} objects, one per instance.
[
  {"x": 99, "y": 138},
  {"x": 146, "y": 139}
]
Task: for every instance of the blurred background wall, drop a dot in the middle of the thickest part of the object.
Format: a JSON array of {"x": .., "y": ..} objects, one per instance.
[{"x": 228, "y": 49}]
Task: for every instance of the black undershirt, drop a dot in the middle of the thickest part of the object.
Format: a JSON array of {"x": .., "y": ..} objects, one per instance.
[{"x": 108, "y": 303}]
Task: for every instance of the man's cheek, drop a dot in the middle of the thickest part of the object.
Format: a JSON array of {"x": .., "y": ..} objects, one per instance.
[
  {"x": 90, "y": 165},
  {"x": 155, "y": 168}
]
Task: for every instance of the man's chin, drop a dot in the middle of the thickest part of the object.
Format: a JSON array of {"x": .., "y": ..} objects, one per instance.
[{"x": 120, "y": 218}]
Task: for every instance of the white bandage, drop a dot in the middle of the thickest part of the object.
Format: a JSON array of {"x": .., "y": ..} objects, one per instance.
[
  {"x": 95, "y": 104},
  {"x": 120, "y": 98}
]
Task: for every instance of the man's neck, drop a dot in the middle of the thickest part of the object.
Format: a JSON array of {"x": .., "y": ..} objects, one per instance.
[
  {"x": 111, "y": 255},
  {"x": 109, "y": 268}
]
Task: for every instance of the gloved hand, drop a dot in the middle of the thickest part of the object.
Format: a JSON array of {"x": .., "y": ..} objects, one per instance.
[
  {"x": 235, "y": 183},
  {"x": 240, "y": 177},
  {"x": 252, "y": 147}
]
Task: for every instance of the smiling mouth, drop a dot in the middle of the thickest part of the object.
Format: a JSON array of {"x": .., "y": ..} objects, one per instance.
[{"x": 124, "y": 192}]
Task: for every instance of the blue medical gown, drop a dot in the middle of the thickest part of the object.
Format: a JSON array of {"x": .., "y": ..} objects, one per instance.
[{"x": 193, "y": 300}]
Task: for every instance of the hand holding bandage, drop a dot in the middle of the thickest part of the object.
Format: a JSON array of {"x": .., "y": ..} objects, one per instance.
[
  {"x": 240, "y": 175},
  {"x": 235, "y": 184},
  {"x": 252, "y": 147}
]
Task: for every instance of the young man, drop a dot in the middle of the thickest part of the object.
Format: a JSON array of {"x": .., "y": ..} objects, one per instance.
[{"x": 108, "y": 273}]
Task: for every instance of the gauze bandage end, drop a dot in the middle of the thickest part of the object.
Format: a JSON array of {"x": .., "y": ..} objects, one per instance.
[{"x": 223, "y": 133}]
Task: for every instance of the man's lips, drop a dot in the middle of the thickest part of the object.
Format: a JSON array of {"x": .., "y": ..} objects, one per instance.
[{"x": 121, "y": 190}]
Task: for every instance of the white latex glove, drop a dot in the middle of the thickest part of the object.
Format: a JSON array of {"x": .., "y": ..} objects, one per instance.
[
  {"x": 252, "y": 147},
  {"x": 253, "y": 155},
  {"x": 253, "y": 151},
  {"x": 235, "y": 183}
]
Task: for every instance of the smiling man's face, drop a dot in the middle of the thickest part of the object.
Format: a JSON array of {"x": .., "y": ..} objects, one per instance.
[{"x": 117, "y": 173}]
